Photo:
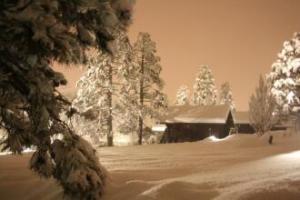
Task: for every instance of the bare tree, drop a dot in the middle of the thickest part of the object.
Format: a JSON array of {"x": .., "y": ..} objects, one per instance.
[{"x": 261, "y": 108}]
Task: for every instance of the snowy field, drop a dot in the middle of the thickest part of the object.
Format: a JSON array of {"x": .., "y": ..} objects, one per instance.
[{"x": 239, "y": 167}]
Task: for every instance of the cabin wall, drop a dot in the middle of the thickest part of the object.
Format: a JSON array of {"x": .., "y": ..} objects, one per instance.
[
  {"x": 183, "y": 132},
  {"x": 189, "y": 132},
  {"x": 279, "y": 128},
  {"x": 245, "y": 128},
  {"x": 248, "y": 129}
]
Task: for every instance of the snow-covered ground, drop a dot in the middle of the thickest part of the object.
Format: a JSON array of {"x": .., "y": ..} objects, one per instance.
[{"x": 238, "y": 167}]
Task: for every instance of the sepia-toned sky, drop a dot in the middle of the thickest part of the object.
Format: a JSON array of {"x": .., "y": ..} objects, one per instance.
[{"x": 238, "y": 39}]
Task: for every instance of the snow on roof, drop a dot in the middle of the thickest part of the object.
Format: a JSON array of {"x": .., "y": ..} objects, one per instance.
[
  {"x": 241, "y": 117},
  {"x": 197, "y": 114}
]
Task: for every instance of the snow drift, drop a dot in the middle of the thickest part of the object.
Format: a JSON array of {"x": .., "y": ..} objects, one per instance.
[{"x": 238, "y": 167}]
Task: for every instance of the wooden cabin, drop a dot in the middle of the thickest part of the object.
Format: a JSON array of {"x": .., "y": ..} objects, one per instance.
[
  {"x": 191, "y": 123},
  {"x": 243, "y": 125},
  {"x": 242, "y": 122}
]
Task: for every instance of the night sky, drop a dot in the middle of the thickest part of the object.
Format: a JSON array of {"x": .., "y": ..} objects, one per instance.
[{"x": 238, "y": 39}]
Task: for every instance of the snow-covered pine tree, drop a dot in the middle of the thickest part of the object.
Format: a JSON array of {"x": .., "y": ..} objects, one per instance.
[
  {"x": 128, "y": 102},
  {"x": 183, "y": 96},
  {"x": 285, "y": 74},
  {"x": 94, "y": 99},
  {"x": 127, "y": 121},
  {"x": 204, "y": 90},
  {"x": 151, "y": 98},
  {"x": 33, "y": 33},
  {"x": 98, "y": 91},
  {"x": 125, "y": 116},
  {"x": 225, "y": 95},
  {"x": 262, "y": 105}
]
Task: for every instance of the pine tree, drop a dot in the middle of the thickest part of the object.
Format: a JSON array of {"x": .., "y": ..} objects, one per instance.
[
  {"x": 94, "y": 99},
  {"x": 262, "y": 105},
  {"x": 205, "y": 92},
  {"x": 127, "y": 120},
  {"x": 98, "y": 91},
  {"x": 150, "y": 85},
  {"x": 33, "y": 34},
  {"x": 128, "y": 107},
  {"x": 182, "y": 96},
  {"x": 225, "y": 97},
  {"x": 285, "y": 75},
  {"x": 129, "y": 103}
]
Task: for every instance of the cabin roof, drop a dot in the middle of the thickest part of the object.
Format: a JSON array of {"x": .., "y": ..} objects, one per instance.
[
  {"x": 241, "y": 117},
  {"x": 216, "y": 114}
]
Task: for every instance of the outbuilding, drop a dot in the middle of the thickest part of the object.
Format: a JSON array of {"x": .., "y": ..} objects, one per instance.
[
  {"x": 191, "y": 123},
  {"x": 242, "y": 122}
]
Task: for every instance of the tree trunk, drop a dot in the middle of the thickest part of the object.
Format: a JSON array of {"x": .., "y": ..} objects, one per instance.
[
  {"x": 110, "y": 138},
  {"x": 140, "y": 130},
  {"x": 141, "y": 120}
]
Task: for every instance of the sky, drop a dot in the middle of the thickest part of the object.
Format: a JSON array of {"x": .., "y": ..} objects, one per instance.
[{"x": 238, "y": 39}]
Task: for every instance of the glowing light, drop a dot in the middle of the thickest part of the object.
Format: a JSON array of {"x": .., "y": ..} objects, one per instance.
[
  {"x": 215, "y": 139},
  {"x": 292, "y": 155},
  {"x": 27, "y": 150},
  {"x": 123, "y": 140},
  {"x": 159, "y": 128}
]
